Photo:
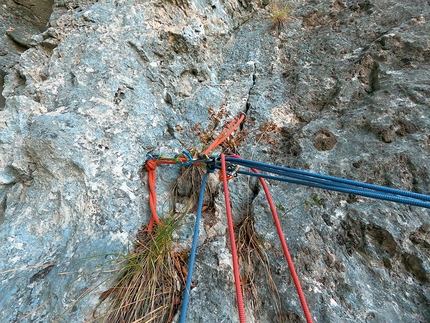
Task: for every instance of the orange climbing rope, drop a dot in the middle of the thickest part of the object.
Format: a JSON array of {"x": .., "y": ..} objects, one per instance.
[
  {"x": 286, "y": 251},
  {"x": 150, "y": 166},
  {"x": 152, "y": 162},
  {"x": 281, "y": 239},
  {"x": 234, "y": 256},
  {"x": 227, "y": 131},
  {"x": 227, "y": 172}
]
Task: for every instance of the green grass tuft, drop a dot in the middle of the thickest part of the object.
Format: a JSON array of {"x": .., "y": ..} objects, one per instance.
[{"x": 150, "y": 284}]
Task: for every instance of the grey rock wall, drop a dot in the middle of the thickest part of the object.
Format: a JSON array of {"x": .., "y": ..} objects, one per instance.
[
  {"x": 346, "y": 83},
  {"x": 19, "y": 21}
]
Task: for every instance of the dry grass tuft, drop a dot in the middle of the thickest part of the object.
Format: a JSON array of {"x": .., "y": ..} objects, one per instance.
[
  {"x": 279, "y": 14},
  {"x": 150, "y": 285},
  {"x": 187, "y": 187},
  {"x": 205, "y": 134},
  {"x": 251, "y": 256},
  {"x": 151, "y": 282}
]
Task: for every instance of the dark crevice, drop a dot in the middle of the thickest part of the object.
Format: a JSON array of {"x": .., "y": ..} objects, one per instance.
[
  {"x": 73, "y": 79},
  {"x": 20, "y": 46},
  {"x": 41, "y": 274},
  {"x": 248, "y": 100},
  {"x": 171, "y": 130},
  {"x": 2, "y": 98},
  {"x": 3, "y": 209},
  {"x": 374, "y": 84},
  {"x": 332, "y": 97},
  {"x": 254, "y": 187},
  {"x": 139, "y": 51}
]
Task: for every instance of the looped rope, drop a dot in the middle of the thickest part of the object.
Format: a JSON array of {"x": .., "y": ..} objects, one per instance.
[
  {"x": 150, "y": 166},
  {"x": 230, "y": 167}
]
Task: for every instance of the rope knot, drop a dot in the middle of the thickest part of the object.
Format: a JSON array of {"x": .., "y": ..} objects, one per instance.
[{"x": 150, "y": 165}]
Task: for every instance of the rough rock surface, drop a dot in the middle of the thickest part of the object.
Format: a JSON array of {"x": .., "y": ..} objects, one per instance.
[
  {"x": 19, "y": 21},
  {"x": 346, "y": 84}
]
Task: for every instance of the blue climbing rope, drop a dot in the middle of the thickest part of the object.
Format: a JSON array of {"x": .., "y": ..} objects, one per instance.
[
  {"x": 325, "y": 179},
  {"x": 380, "y": 196},
  {"x": 182, "y": 318},
  {"x": 230, "y": 168},
  {"x": 331, "y": 183}
]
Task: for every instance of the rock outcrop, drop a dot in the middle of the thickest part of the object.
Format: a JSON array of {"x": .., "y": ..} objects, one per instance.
[{"x": 339, "y": 87}]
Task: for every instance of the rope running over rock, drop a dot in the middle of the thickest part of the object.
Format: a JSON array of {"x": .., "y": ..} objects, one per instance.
[{"x": 229, "y": 166}]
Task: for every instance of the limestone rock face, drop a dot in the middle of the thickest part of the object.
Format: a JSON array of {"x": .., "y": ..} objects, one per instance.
[
  {"x": 337, "y": 87},
  {"x": 19, "y": 21}
]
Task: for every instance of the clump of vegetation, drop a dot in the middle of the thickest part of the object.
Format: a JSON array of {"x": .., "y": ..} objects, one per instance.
[
  {"x": 251, "y": 256},
  {"x": 218, "y": 119},
  {"x": 279, "y": 14},
  {"x": 206, "y": 134},
  {"x": 187, "y": 188},
  {"x": 152, "y": 278},
  {"x": 150, "y": 284}
]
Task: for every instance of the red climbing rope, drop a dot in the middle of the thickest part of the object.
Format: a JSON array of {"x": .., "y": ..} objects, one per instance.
[
  {"x": 236, "y": 273},
  {"x": 286, "y": 251},
  {"x": 284, "y": 248},
  {"x": 225, "y": 175},
  {"x": 227, "y": 131},
  {"x": 150, "y": 166}
]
